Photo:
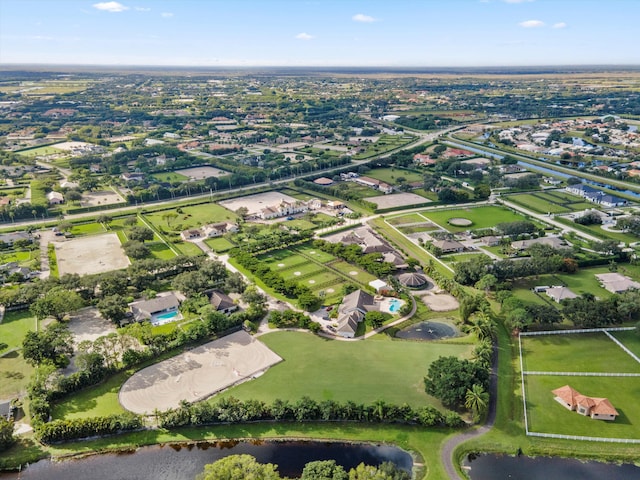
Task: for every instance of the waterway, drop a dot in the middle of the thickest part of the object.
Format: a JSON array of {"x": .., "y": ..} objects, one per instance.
[
  {"x": 501, "y": 467},
  {"x": 173, "y": 462}
]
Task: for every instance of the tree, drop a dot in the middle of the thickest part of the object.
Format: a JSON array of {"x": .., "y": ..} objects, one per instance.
[
  {"x": 104, "y": 219},
  {"x": 323, "y": 470},
  {"x": 239, "y": 467},
  {"x": 375, "y": 319},
  {"x": 477, "y": 401},
  {"x": 482, "y": 191},
  {"x": 57, "y": 302},
  {"x": 6, "y": 434},
  {"x": 235, "y": 283},
  {"x": 487, "y": 282},
  {"x": 449, "y": 378},
  {"x": 140, "y": 234},
  {"x": 242, "y": 212},
  {"x": 54, "y": 344},
  {"x": 136, "y": 250},
  {"x": 113, "y": 308}
]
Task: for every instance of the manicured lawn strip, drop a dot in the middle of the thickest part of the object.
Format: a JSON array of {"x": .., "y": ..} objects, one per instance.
[
  {"x": 548, "y": 416},
  {"x": 460, "y": 257},
  {"x": 15, "y": 326},
  {"x": 541, "y": 205},
  {"x": 317, "y": 255},
  {"x": 20, "y": 256},
  {"x": 170, "y": 177},
  {"x": 188, "y": 249},
  {"x": 391, "y": 175},
  {"x": 323, "y": 279},
  {"x": 101, "y": 399},
  {"x": 629, "y": 339},
  {"x": 300, "y": 224},
  {"x": 403, "y": 219},
  {"x": 219, "y": 244},
  {"x": 482, "y": 217},
  {"x": 87, "y": 229},
  {"x": 303, "y": 268},
  {"x": 347, "y": 268},
  {"x": 389, "y": 370},
  {"x": 425, "y": 227},
  {"x": 15, "y": 374},
  {"x": 580, "y": 352},
  {"x": 160, "y": 251}
]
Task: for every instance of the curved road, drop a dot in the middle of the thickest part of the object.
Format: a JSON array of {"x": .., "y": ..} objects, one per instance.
[{"x": 446, "y": 455}]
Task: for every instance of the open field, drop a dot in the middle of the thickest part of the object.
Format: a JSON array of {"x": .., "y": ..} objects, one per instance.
[
  {"x": 629, "y": 339},
  {"x": 575, "y": 353},
  {"x": 196, "y": 374},
  {"x": 15, "y": 326},
  {"x": 395, "y": 200},
  {"x": 406, "y": 219},
  {"x": 191, "y": 217},
  {"x": 170, "y": 177},
  {"x": 385, "y": 143},
  {"x": 482, "y": 217},
  {"x": 79, "y": 255},
  {"x": 551, "y": 202},
  {"x": 38, "y": 151},
  {"x": 391, "y": 175},
  {"x": 200, "y": 173},
  {"x": 104, "y": 197},
  {"x": 380, "y": 369},
  {"x": 548, "y": 416},
  {"x": 15, "y": 372}
]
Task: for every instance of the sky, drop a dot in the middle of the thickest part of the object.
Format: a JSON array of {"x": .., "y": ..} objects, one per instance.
[{"x": 392, "y": 33}]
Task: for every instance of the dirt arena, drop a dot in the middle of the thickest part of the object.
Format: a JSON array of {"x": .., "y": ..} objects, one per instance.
[
  {"x": 197, "y": 374},
  {"x": 93, "y": 254},
  {"x": 397, "y": 200},
  {"x": 200, "y": 173},
  {"x": 107, "y": 197},
  {"x": 440, "y": 302},
  {"x": 255, "y": 203}
]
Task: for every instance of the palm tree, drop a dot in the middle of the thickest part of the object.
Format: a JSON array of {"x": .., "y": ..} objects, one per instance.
[
  {"x": 483, "y": 352},
  {"x": 477, "y": 400}
]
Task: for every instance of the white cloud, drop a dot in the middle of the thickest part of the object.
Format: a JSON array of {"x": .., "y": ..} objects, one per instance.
[
  {"x": 141, "y": 9},
  {"x": 166, "y": 14},
  {"x": 532, "y": 24},
  {"x": 112, "y": 7},
  {"x": 559, "y": 25},
  {"x": 304, "y": 36},
  {"x": 361, "y": 17}
]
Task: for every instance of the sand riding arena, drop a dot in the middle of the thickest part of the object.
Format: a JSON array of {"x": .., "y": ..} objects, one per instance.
[{"x": 197, "y": 374}]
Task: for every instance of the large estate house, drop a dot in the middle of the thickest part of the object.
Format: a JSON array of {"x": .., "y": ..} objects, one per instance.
[
  {"x": 286, "y": 208},
  {"x": 147, "y": 309},
  {"x": 596, "y": 408},
  {"x": 596, "y": 196},
  {"x": 352, "y": 311}
]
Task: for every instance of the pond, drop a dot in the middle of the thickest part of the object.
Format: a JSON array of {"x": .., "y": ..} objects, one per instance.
[
  {"x": 173, "y": 462},
  {"x": 427, "y": 331},
  {"x": 501, "y": 467}
]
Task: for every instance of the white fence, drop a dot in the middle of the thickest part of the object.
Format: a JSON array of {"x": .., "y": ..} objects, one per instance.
[
  {"x": 580, "y": 330},
  {"x": 583, "y": 374},
  {"x": 578, "y": 437},
  {"x": 633, "y": 355}
]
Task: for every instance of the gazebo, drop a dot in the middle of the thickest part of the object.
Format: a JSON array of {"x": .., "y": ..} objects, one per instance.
[{"x": 413, "y": 279}]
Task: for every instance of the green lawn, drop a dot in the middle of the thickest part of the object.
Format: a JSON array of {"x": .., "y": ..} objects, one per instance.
[
  {"x": 353, "y": 272},
  {"x": 219, "y": 244},
  {"x": 583, "y": 281},
  {"x": 538, "y": 204},
  {"x": 188, "y": 248},
  {"x": 548, "y": 416},
  {"x": 20, "y": 256},
  {"x": 575, "y": 353},
  {"x": 390, "y": 175},
  {"x": 482, "y": 217},
  {"x": 365, "y": 371},
  {"x": 160, "y": 251},
  {"x": 15, "y": 326},
  {"x": 630, "y": 339},
  {"x": 170, "y": 177},
  {"x": 191, "y": 217},
  {"x": 317, "y": 255},
  {"x": 15, "y": 374},
  {"x": 34, "y": 152},
  {"x": 404, "y": 219},
  {"x": 87, "y": 228}
]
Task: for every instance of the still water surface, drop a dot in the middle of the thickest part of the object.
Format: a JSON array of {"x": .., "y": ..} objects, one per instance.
[
  {"x": 500, "y": 467},
  {"x": 176, "y": 463}
]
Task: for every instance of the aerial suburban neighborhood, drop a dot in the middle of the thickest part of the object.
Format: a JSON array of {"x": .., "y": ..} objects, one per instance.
[{"x": 390, "y": 273}]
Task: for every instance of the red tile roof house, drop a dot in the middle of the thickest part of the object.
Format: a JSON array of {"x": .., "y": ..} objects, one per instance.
[{"x": 596, "y": 408}]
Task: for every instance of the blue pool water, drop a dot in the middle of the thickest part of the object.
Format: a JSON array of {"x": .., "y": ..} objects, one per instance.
[
  {"x": 167, "y": 316},
  {"x": 394, "y": 305}
]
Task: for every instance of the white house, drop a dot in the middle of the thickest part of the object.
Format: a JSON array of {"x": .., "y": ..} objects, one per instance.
[{"x": 55, "y": 198}]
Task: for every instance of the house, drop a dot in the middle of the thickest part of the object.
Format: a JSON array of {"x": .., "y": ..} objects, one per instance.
[
  {"x": 553, "y": 242},
  {"x": 55, "y": 198},
  {"x": 11, "y": 238},
  {"x": 162, "y": 304},
  {"x": 616, "y": 282},
  {"x": 368, "y": 241},
  {"x": 491, "y": 241},
  {"x": 283, "y": 209},
  {"x": 191, "y": 234},
  {"x": 352, "y": 311},
  {"x": 374, "y": 183},
  {"x": 581, "y": 190},
  {"x": 314, "y": 204},
  {"x": 559, "y": 293},
  {"x": 448, "y": 246},
  {"x": 596, "y": 408},
  {"x": 221, "y": 301},
  {"x": 132, "y": 177},
  {"x": 610, "y": 201},
  {"x": 218, "y": 229}
]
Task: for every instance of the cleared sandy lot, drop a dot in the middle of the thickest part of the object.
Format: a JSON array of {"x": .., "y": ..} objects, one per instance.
[
  {"x": 197, "y": 374},
  {"x": 106, "y": 197},
  {"x": 200, "y": 173},
  {"x": 94, "y": 254},
  {"x": 255, "y": 203},
  {"x": 397, "y": 200},
  {"x": 440, "y": 302},
  {"x": 88, "y": 324}
]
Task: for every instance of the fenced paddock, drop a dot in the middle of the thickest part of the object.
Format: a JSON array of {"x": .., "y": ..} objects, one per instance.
[
  {"x": 197, "y": 374},
  {"x": 91, "y": 254},
  {"x": 593, "y": 362}
]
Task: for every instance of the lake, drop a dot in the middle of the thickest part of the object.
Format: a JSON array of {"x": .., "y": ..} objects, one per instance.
[
  {"x": 175, "y": 462},
  {"x": 502, "y": 467}
]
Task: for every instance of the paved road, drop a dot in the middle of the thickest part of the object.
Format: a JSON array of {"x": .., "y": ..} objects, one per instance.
[{"x": 446, "y": 455}]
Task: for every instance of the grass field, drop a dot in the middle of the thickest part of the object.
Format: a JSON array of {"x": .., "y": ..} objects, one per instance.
[
  {"x": 188, "y": 249},
  {"x": 15, "y": 326},
  {"x": 404, "y": 219},
  {"x": 87, "y": 228},
  {"x": 548, "y": 416},
  {"x": 482, "y": 217},
  {"x": 161, "y": 251},
  {"x": 37, "y": 151},
  {"x": 191, "y": 217},
  {"x": 384, "y": 144},
  {"x": 219, "y": 244},
  {"x": 629, "y": 339},
  {"x": 15, "y": 372},
  {"x": 390, "y": 175},
  {"x": 170, "y": 177},
  {"x": 575, "y": 353},
  {"x": 367, "y": 371},
  {"x": 98, "y": 400}
]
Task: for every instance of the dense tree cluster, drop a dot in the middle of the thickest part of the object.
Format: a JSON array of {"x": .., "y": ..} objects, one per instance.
[
  {"x": 75, "y": 428},
  {"x": 449, "y": 379}
]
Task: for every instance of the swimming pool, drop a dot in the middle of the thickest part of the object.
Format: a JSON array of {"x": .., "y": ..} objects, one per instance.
[
  {"x": 165, "y": 318},
  {"x": 394, "y": 305}
]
